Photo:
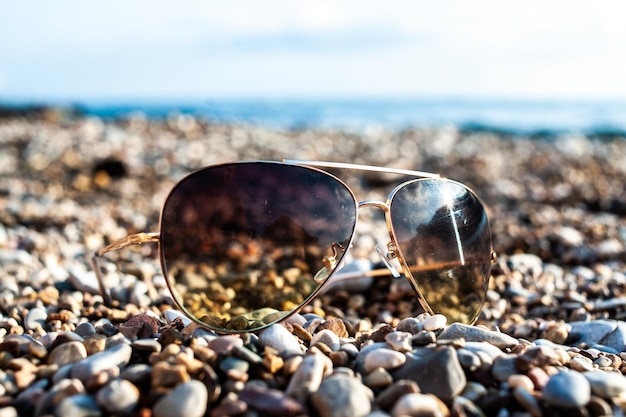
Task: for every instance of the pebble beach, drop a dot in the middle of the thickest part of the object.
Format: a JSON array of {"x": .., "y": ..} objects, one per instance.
[{"x": 550, "y": 339}]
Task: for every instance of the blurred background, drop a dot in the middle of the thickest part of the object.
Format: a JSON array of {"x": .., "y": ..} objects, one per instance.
[{"x": 524, "y": 67}]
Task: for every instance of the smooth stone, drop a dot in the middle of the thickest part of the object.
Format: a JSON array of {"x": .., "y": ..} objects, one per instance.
[
  {"x": 435, "y": 322},
  {"x": 436, "y": 371},
  {"x": 327, "y": 337},
  {"x": 67, "y": 353},
  {"x": 390, "y": 395},
  {"x": 118, "y": 355},
  {"x": 378, "y": 378},
  {"x": 418, "y": 404},
  {"x": 118, "y": 397},
  {"x": 360, "y": 357},
  {"x": 278, "y": 337},
  {"x": 527, "y": 400},
  {"x": 341, "y": 395},
  {"x": 482, "y": 347},
  {"x": 171, "y": 315},
  {"x": 526, "y": 263},
  {"x": 503, "y": 367},
  {"x": 409, "y": 325},
  {"x": 476, "y": 334},
  {"x": 188, "y": 399},
  {"x": 85, "y": 329},
  {"x": 383, "y": 358},
  {"x": 468, "y": 359},
  {"x": 81, "y": 405},
  {"x": 84, "y": 280},
  {"x": 567, "y": 389},
  {"x": 308, "y": 376},
  {"x": 593, "y": 331},
  {"x": 224, "y": 345},
  {"x": 400, "y": 341},
  {"x": 606, "y": 384},
  {"x": 271, "y": 402},
  {"x": 35, "y": 317}
]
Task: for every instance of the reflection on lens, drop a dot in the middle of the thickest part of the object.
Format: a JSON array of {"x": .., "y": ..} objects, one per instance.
[
  {"x": 444, "y": 238},
  {"x": 241, "y": 243}
]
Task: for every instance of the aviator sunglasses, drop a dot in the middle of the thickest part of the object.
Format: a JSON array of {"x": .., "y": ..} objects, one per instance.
[{"x": 247, "y": 244}]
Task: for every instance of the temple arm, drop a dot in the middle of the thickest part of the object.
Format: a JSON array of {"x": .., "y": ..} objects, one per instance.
[{"x": 136, "y": 239}]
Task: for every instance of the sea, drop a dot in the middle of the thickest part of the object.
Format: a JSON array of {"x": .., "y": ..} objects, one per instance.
[{"x": 517, "y": 117}]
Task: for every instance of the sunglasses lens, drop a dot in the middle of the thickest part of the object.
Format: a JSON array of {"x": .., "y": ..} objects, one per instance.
[
  {"x": 244, "y": 245},
  {"x": 444, "y": 238}
]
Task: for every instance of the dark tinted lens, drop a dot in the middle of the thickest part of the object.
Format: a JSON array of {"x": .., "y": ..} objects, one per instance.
[
  {"x": 443, "y": 235},
  {"x": 245, "y": 244}
]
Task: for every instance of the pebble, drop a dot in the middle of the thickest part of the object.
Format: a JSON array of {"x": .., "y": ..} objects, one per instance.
[
  {"x": 117, "y": 356},
  {"x": 308, "y": 376},
  {"x": 270, "y": 401},
  {"x": 118, "y": 397},
  {"x": 387, "y": 359},
  {"x": 36, "y": 317},
  {"x": 556, "y": 302},
  {"x": 606, "y": 384},
  {"x": 567, "y": 389},
  {"x": 340, "y": 395},
  {"x": 477, "y": 334},
  {"x": 436, "y": 371},
  {"x": 435, "y": 322},
  {"x": 418, "y": 404},
  {"x": 327, "y": 337},
  {"x": 280, "y": 339},
  {"x": 188, "y": 399},
  {"x": 67, "y": 353}
]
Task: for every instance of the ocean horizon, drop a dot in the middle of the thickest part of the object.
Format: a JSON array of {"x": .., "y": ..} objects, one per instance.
[{"x": 516, "y": 117}]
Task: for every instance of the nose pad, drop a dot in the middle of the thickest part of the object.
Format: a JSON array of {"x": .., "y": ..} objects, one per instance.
[{"x": 386, "y": 256}]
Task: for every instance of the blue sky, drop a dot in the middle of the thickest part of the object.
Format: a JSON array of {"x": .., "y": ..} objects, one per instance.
[{"x": 121, "y": 50}]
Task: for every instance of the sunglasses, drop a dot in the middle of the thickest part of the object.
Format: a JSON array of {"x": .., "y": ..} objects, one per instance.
[{"x": 247, "y": 244}]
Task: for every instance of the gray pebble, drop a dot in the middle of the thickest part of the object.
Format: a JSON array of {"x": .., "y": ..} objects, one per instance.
[
  {"x": 85, "y": 329},
  {"x": 67, "y": 353},
  {"x": 606, "y": 384},
  {"x": 81, "y": 405},
  {"x": 188, "y": 399},
  {"x": 118, "y": 355},
  {"x": 118, "y": 397},
  {"x": 383, "y": 358},
  {"x": 503, "y": 367},
  {"x": 328, "y": 338},
  {"x": 567, "y": 389},
  {"x": 436, "y": 371},
  {"x": 278, "y": 337},
  {"x": 342, "y": 396},
  {"x": 477, "y": 334}
]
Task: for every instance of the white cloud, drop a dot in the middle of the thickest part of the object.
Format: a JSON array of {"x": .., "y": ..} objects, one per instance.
[{"x": 71, "y": 48}]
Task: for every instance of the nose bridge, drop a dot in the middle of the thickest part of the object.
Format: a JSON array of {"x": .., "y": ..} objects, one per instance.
[{"x": 374, "y": 203}]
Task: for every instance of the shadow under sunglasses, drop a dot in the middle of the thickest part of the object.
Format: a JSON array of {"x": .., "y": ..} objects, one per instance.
[{"x": 244, "y": 245}]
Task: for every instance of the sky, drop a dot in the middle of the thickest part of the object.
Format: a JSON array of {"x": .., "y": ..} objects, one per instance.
[{"x": 75, "y": 50}]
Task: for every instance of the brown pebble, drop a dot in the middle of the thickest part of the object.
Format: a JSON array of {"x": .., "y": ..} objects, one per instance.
[
  {"x": 539, "y": 356},
  {"x": 229, "y": 406},
  {"x": 168, "y": 375},
  {"x": 339, "y": 358},
  {"x": 95, "y": 343},
  {"x": 337, "y": 326},
  {"x": 390, "y": 395},
  {"x": 598, "y": 407},
  {"x": 539, "y": 377},
  {"x": 301, "y": 332},
  {"x": 272, "y": 361},
  {"x": 380, "y": 334},
  {"x": 271, "y": 402}
]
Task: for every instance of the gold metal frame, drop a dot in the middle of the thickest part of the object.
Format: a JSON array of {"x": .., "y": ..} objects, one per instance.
[{"x": 337, "y": 276}]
